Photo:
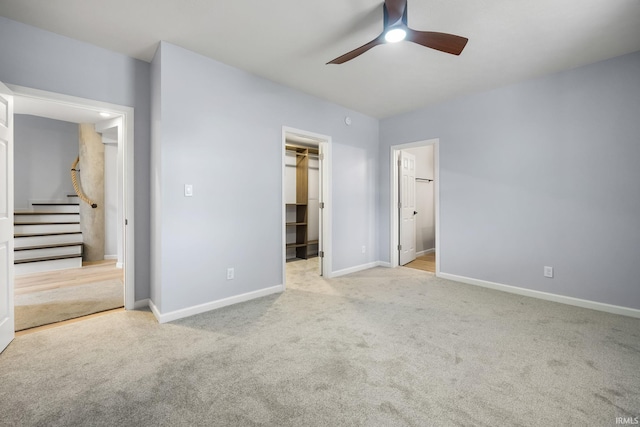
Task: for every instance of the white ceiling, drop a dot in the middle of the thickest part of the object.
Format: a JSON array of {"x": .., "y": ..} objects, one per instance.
[{"x": 289, "y": 41}]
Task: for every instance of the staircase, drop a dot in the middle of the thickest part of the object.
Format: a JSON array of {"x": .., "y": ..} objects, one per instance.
[{"x": 48, "y": 237}]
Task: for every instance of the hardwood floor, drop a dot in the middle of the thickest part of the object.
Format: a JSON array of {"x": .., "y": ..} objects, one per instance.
[
  {"x": 66, "y": 322},
  {"x": 425, "y": 262},
  {"x": 89, "y": 273}
]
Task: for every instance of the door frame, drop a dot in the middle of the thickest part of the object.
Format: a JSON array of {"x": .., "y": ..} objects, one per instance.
[
  {"x": 394, "y": 152},
  {"x": 324, "y": 143},
  {"x": 125, "y": 159},
  {"x": 7, "y": 317}
]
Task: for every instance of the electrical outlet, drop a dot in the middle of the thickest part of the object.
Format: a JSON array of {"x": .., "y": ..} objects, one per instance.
[
  {"x": 364, "y": 249},
  {"x": 188, "y": 190},
  {"x": 230, "y": 273},
  {"x": 548, "y": 271}
]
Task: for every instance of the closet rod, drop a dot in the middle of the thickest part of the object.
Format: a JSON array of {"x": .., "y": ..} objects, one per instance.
[
  {"x": 297, "y": 152},
  {"x": 424, "y": 179}
]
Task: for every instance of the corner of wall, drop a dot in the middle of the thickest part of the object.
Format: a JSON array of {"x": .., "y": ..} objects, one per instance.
[{"x": 155, "y": 302}]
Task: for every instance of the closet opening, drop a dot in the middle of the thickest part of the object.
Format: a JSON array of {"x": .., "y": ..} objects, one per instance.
[
  {"x": 306, "y": 201},
  {"x": 415, "y": 205}
]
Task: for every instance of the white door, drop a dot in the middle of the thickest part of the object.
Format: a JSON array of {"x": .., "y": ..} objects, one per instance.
[
  {"x": 407, "y": 206},
  {"x": 6, "y": 217}
]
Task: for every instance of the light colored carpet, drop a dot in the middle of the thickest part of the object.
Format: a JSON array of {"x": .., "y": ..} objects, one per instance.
[
  {"x": 55, "y": 305},
  {"x": 381, "y": 347}
]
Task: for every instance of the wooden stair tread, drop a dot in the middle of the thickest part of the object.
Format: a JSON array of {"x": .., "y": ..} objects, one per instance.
[
  {"x": 46, "y": 213},
  {"x": 296, "y": 223},
  {"x": 55, "y": 204},
  {"x": 46, "y": 234},
  {"x": 50, "y": 246},
  {"x": 44, "y": 223},
  {"x": 51, "y": 258}
]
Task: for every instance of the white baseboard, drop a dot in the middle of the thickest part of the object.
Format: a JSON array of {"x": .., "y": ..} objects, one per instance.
[
  {"x": 143, "y": 303},
  {"x": 118, "y": 264},
  {"x": 155, "y": 310},
  {"x": 426, "y": 251},
  {"x": 383, "y": 264},
  {"x": 201, "y": 308},
  {"x": 593, "y": 305},
  {"x": 355, "y": 269}
]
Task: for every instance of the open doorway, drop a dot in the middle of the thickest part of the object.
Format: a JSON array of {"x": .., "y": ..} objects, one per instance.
[
  {"x": 56, "y": 294},
  {"x": 415, "y": 205},
  {"x": 306, "y": 220}
]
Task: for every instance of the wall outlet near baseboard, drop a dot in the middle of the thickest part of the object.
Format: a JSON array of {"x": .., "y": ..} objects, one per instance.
[
  {"x": 230, "y": 273},
  {"x": 548, "y": 271},
  {"x": 364, "y": 249}
]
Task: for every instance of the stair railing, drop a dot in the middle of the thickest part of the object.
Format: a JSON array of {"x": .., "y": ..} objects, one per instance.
[{"x": 76, "y": 186}]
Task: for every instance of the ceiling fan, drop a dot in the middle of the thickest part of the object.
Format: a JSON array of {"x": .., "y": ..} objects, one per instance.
[{"x": 396, "y": 29}]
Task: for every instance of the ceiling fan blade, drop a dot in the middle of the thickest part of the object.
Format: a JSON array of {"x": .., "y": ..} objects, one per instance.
[
  {"x": 359, "y": 51},
  {"x": 395, "y": 10},
  {"x": 443, "y": 42}
]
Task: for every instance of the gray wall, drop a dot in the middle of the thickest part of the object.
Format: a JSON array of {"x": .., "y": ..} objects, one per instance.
[
  {"x": 544, "y": 172},
  {"x": 220, "y": 129},
  {"x": 42, "y": 60},
  {"x": 43, "y": 152}
]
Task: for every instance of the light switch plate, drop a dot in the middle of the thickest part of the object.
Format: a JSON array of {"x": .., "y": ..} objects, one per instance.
[{"x": 188, "y": 190}]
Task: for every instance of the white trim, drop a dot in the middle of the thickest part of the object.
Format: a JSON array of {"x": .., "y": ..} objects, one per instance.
[
  {"x": 355, "y": 269},
  {"x": 111, "y": 257},
  {"x": 125, "y": 157},
  {"x": 143, "y": 303},
  {"x": 202, "y": 308},
  {"x": 426, "y": 251},
  {"x": 283, "y": 219},
  {"x": 154, "y": 310},
  {"x": 324, "y": 145},
  {"x": 120, "y": 265},
  {"x": 383, "y": 264},
  {"x": 593, "y": 305},
  {"x": 393, "y": 209},
  {"x": 101, "y": 127}
]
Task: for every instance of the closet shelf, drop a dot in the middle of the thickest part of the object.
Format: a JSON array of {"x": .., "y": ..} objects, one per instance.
[
  {"x": 296, "y": 245},
  {"x": 300, "y": 209}
]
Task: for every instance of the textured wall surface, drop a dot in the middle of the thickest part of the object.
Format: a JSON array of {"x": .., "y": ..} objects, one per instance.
[{"x": 91, "y": 181}]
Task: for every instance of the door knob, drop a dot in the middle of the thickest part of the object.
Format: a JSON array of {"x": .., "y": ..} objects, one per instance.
[{"x": 415, "y": 212}]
